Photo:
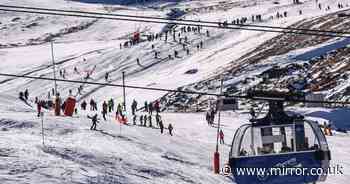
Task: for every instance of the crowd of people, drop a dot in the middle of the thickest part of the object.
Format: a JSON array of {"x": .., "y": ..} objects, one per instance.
[{"x": 180, "y": 37}]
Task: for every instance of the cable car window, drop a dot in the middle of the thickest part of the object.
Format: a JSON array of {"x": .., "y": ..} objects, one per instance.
[
  {"x": 276, "y": 140},
  {"x": 311, "y": 141}
]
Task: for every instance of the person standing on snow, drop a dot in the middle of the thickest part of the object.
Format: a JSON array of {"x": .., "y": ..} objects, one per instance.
[
  {"x": 146, "y": 106},
  {"x": 134, "y": 120},
  {"x": 145, "y": 120},
  {"x": 150, "y": 108},
  {"x": 92, "y": 105},
  {"x": 158, "y": 119},
  {"x": 161, "y": 126},
  {"x": 212, "y": 116},
  {"x": 221, "y": 136},
  {"x": 150, "y": 120},
  {"x": 170, "y": 128},
  {"x": 106, "y": 76},
  {"x": 207, "y": 117},
  {"x": 26, "y": 94},
  {"x": 111, "y": 105},
  {"x": 104, "y": 110},
  {"x": 141, "y": 120},
  {"x": 133, "y": 107},
  {"x": 38, "y": 106},
  {"x": 157, "y": 106},
  {"x": 83, "y": 105},
  {"x": 94, "y": 121},
  {"x": 119, "y": 109}
]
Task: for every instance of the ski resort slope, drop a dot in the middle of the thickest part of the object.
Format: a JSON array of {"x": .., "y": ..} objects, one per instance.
[
  {"x": 122, "y": 154},
  {"x": 125, "y": 154},
  {"x": 113, "y": 154},
  {"x": 95, "y": 49}
]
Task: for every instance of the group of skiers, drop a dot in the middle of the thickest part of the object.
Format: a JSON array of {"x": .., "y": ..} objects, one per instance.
[
  {"x": 152, "y": 106},
  {"x": 144, "y": 118},
  {"x": 179, "y": 36},
  {"x": 258, "y": 18}
]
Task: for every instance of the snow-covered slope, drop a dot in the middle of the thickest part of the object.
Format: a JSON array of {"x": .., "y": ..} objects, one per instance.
[{"x": 134, "y": 154}]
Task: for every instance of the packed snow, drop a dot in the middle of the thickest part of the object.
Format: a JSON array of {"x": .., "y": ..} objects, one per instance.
[{"x": 116, "y": 153}]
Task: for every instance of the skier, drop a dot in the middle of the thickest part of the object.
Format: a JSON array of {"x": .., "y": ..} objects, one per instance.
[
  {"x": 157, "y": 106},
  {"x": 161, "y": 126},
  {"x": 141, "y": 120},
  {"x": 208, "y": 35},
  {"x": 133, "y": 106},
  {"x": 119, "y": 109},
  {"x": 150, "y": 108},
  {"x": 21, "y": 96},
  {"x": 146, "y": 106},
  {"x": 94, "y": 121},
  {"x": 150, "y": 120},
  {"x": 175, "y": 53},
  {"x": 38, "y": 105},
  {"x": 79, "y": 90},
  {"x": 170, "y": 128},
  {"x": 201, "y": 44},
  {"x": 95, "y": 105},
  {"x": 212, "y": 116},
  {"x": 145, "y": 120},
  {"x": 207, "y": 117},
  {"x": 134, "y": 120},
  {"x": 158, "y": 119},
  {"x": 188, "y": 51},
  {"x": 104, "y": 110},
  {"x": 63, "y": 107},
  {"x": 221, "y": 136},
  {"x": 87, "y": 76},
  {"x": 26, "y": 94},
  {"x": 138, "y": 61},
  {"x": 83, "y": 105},
  {"x": 92, "y": 108},
  {"x": 106, "y": 76},
  {"x": 111, "y": 105}
]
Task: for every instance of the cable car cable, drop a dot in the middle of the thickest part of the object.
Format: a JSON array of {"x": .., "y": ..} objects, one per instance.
[{"x": 176, "y": 91}]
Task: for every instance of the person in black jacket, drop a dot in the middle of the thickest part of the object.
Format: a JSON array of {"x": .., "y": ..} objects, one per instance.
[
  {"x": 94, "y": 121},
  {"x": 170, "y": 128},
  {"x": 104, "y": 110},
  {"x": 83, "y": 105},
  {"x": 161, "y": 126}
]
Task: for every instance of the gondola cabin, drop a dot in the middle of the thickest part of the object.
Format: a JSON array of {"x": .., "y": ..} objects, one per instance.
[{"x": 281, "y": 146}]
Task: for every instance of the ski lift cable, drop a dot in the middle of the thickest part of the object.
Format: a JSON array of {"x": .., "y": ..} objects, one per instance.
[
  {"x": 172, "y": 19},
  {"x": 251, "y": 97},
  {"x": 175, "y": 23}
]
